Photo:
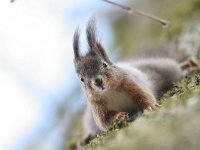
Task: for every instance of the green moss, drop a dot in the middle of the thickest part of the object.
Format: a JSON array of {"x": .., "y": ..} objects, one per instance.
[
  {"x": 102, "y": 137},
  {"x": 188, "y": 83},
  {"x": 178, "y": 14},
  {"x": 173, "y": 30}
]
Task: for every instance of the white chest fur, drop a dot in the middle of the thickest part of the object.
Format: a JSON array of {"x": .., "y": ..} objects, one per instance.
[{"x": 119, "y": 101}]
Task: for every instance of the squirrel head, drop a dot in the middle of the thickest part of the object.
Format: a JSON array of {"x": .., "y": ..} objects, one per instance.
[{"x": 94, "y": 69}]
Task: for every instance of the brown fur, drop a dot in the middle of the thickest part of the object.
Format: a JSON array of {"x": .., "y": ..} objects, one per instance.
[
  {"x": 103, "y": 114},
  {"x": 142, "y": 98}
]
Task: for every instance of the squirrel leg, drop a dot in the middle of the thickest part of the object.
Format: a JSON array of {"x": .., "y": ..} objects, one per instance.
[
  {"x": 105, "y": 118},
  {"x": 191, "y": 62},
  {"x": 147, "y": 103},
  {"x": 141, "y": 98}
]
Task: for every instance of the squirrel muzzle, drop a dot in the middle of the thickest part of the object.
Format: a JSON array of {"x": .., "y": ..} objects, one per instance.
[{"x": 98, "y": 84}]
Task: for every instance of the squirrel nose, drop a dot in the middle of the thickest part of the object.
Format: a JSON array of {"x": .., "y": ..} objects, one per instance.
[{"x": 98, "y": 82}]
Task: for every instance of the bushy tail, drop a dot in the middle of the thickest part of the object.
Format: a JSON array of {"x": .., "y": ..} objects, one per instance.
[{"x": 165, "y": 51}]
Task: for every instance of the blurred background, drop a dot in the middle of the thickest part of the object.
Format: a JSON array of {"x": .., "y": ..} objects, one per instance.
[{"x": 41, "y": 101}]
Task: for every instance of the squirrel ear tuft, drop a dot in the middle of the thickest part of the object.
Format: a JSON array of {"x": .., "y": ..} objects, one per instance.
[
  {"x": 92, "y": 40},
  {"x": 91, "y": 33},
  {"x": 76, "y": 44}
]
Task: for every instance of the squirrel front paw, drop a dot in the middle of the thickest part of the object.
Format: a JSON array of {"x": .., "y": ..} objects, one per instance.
[
  {"x": 120, "y": 120},
  {"x": 122, "y": 116}
]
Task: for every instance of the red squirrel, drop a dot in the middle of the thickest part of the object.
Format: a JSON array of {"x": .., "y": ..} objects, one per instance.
[{"x": 115, "y": 90}]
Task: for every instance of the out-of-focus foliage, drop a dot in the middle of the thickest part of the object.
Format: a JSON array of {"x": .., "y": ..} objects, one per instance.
[
  {"x": 134, "y": 33},
  {"x": 76, "y": 126}
]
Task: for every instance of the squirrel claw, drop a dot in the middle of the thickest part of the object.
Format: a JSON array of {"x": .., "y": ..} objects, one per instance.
[
  {"x": 150, "y": 108},
  {"x": 157, "y": 105},
  {"x": 153, "y": 107}
]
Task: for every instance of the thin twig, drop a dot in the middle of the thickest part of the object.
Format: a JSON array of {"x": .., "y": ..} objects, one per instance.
[{"x": 163, "y": 22}]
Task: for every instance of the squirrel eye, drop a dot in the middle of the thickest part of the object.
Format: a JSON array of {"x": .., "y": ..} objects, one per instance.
[
  {"x": 105, "y": 65},
  {"x": 82, "y": 80}
]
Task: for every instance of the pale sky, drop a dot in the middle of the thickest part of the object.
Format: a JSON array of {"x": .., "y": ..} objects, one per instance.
[{"x": 35, "y": 55}]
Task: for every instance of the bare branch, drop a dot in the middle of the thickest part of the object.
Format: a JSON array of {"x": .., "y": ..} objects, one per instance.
[{"x": 163, "y": 22}]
